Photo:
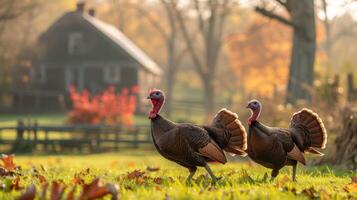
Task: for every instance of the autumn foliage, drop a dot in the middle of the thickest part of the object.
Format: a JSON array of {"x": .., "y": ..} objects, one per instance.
[
  {"x": 108, "y": 107},
  {"x": 260, "y": 57}
]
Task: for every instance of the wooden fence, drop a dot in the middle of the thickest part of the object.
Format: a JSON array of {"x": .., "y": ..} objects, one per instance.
[{"x": 81, "y": 138}]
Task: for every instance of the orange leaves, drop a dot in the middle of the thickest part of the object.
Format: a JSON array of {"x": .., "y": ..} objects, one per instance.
[
  {"x": 260, "y": 57},
  {"x": 351, "y": 187},
  {"x": 282, "y": 182},
  {"x": 8, "y": 162},
  {"x": 140, "y": 178},
  {"x": 89, "y": 191},
  {"x": 96, "y": 190},
  {"x": 135, "y": 174},
  {"x": 105, "y": 108},
  {"x": 57, "y": 190}
]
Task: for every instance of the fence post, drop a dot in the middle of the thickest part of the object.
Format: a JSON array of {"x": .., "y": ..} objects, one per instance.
[
  {"x": 35, "y": 126},
  {"x": 46, "y": 141},
  {"x": 98, "y": 140},
  {"x": 20, "y": 130},
  {"x": 19, "y": 144},
  {"x": 116, "y": 132},
  {"x": 135, "y": 142}
]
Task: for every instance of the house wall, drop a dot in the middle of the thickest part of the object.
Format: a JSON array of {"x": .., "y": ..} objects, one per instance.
[{"x": 84, "y": 67}]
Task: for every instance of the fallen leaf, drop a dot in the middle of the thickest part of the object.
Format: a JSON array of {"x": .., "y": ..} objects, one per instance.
[
  {"x": 70, "y": 195},
  {"x": 310, "y": 192},
  {"x": 351, "y": 188},
  {"x": 29, "y": 194},
  {"x": 8, "y": 161},
  {"x": 44, "y": 187},
  {"x": 41, "y": 178},
  {"x": 282, "y": 182},
  {"x": 57, "y": 190},
  {"x": 158, "y": 180},
  {"x": 135, "y": 174},
  {"x": 153, "y": 169},
  {"x": 93, "y": 190}
]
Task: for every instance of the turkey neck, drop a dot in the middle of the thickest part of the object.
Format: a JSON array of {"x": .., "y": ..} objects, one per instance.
[
  {"x": 254, "y": 116},
  {"x": 156, "y": 107}
]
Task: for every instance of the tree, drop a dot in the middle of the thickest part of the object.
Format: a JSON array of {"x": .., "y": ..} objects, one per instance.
[
  {"x": 204, "y": 51},
  {"x": 301, "y": 69},
  {"x": 167, "y": 31}
]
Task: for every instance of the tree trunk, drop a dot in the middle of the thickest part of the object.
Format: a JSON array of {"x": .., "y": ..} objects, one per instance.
[
  {"x": 208, "y": 96},
  {"x": 301, "y": 70}
]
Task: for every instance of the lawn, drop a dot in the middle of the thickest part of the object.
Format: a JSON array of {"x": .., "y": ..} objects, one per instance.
[{"x": 166, "y": 180}]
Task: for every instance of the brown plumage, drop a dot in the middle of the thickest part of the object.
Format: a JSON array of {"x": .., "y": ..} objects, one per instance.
[
  {"x": 276, "y": 147},
  {"x": 192, "y": 146}
]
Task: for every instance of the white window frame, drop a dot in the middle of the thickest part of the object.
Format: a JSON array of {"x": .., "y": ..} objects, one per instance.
[
  {"x": 74, "y": 42},
  {"x": 112, "y": 74}
]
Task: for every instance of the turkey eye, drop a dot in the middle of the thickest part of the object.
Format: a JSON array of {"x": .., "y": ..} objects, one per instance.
[{"x": 157, "y": 94}]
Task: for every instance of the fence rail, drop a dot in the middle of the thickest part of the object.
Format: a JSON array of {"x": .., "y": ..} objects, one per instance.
[{"x": 82, "y": 138}]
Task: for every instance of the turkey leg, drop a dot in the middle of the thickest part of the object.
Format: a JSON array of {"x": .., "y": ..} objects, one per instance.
[
  {"x": 214, "y": 178},
  {"x": 294, "y": 172},
  {"x": 192, "y": 172},
  {"x": 274, "y": 174}
]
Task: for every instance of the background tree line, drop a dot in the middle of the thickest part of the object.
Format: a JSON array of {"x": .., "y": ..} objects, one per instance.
[{"x": 215, "y": 50}]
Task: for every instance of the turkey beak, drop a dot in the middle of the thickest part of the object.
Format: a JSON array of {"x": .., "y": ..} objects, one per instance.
[
  {"x": 148, "y": 97},
  {"x": 247, "y": 106}
]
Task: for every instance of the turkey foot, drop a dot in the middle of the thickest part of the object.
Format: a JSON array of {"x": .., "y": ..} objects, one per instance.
[
  {"x": 214, "y": 178},
  {"x": 192, "y": 173}
]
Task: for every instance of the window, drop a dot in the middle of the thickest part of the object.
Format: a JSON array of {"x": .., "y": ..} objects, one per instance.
[
  {"x": 39, "y": 74},
  {"x": 112, "y": 74},
  {"x": 75, "y": 43}
]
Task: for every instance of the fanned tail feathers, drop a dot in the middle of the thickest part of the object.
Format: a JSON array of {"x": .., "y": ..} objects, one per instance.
[
  {"x": 312, "y": 124},
  {"x": 238, "y": 137}
]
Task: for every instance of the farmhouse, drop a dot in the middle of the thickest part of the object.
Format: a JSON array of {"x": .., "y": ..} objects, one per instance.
[{"x": 79, "y": 49}]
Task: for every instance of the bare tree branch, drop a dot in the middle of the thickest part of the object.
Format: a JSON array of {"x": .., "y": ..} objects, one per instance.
[
  {"x": 153, "y": 21},
  {"x": 285, "y": 4},
  {"x": 201, "y": 23},
  {"x": 195, "y": 58},
  {"x": 274, "y": 16}
]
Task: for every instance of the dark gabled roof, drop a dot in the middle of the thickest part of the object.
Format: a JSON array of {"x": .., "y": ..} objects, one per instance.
[{"x": 119, "y": 39}]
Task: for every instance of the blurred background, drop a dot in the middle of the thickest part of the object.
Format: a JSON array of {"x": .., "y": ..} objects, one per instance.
[{"x": 75, "y": 74}]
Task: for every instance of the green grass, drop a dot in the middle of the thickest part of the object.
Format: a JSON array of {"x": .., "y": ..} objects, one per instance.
[{"x": 241, "y": 180}]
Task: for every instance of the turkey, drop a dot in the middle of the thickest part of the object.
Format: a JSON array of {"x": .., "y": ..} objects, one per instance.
[
  {"x": 193, "y": 146},
  {"x": 276, "y": 147}
]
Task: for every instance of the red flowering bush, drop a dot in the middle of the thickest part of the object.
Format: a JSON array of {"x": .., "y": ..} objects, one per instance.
[{"x": 106, "y": 108}]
